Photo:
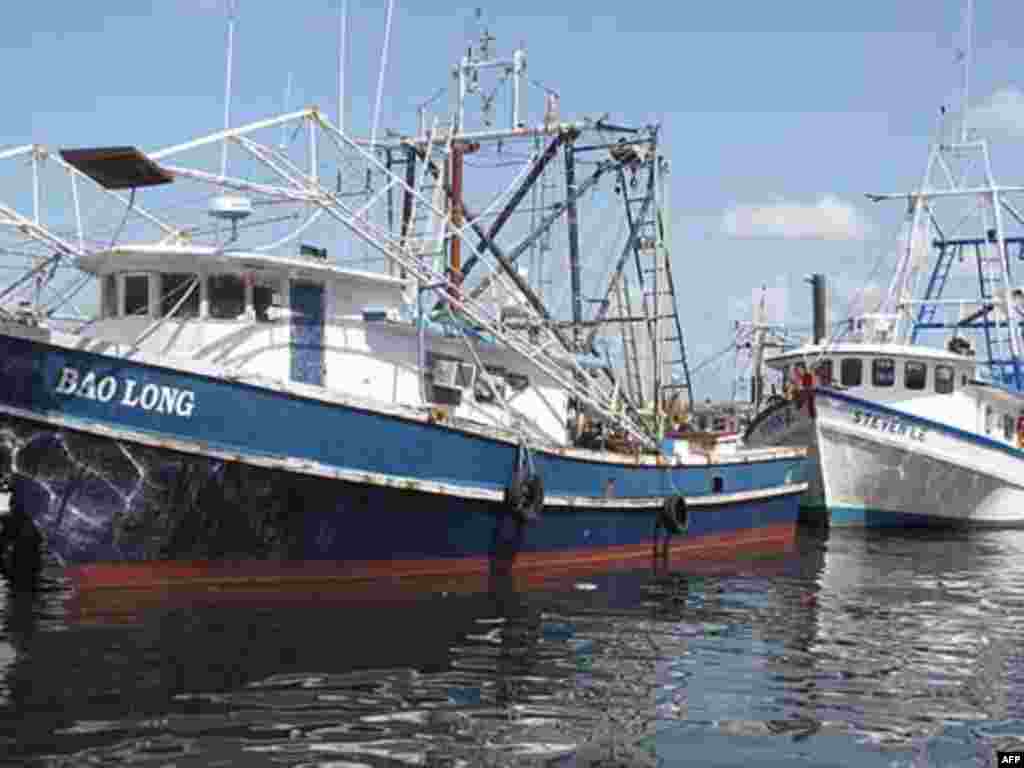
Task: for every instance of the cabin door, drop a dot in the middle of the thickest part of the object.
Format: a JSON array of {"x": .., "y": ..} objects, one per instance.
[{"x": 307, "y": 347}]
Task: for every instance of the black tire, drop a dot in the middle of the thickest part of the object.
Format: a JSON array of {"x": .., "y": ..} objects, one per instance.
[
  {"x": 21, "y": 548},
  {"x": 514, "y": 493},
  {"x": 524, "y": 496},
  {"x": 674, "y": 515},
  {"x": 533, "y": 499},
  {"x": 25, "y": 559}
]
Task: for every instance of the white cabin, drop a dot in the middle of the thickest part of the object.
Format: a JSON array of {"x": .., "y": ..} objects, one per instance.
[
  {"x": 302, "y": 319},
  {"x": 931, "y": 383}
]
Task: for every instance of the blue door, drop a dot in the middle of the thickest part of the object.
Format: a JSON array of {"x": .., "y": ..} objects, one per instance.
[{"x": 307, "y": 347}]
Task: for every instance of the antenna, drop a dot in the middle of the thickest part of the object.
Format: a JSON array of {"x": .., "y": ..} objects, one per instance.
[
  {"x": 232, "y": 9},
  {"x": 761, "y": 308},
  {"x": 227, "y": 207},
  {"x": 284, "y": 108},
  {"x": 383, "y": 69},
  {"x": 342, "y": 33},
  {"x": 967, "y": 53},
  {"x": 467, "y": 73},
  {"x": 486, "y": 38}
]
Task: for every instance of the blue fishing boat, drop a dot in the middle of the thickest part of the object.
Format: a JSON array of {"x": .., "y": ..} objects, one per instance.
[{"x": 243, "y": 407}]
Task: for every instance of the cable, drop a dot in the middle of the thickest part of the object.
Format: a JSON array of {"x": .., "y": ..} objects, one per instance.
[
  {"x": 124, "y": 219},
  {"x": 538, "y": 84},
  {"x": 712, "y": 359}
]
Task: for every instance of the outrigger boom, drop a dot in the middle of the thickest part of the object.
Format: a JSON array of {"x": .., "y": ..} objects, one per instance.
[{"x": 423, "y": 242}]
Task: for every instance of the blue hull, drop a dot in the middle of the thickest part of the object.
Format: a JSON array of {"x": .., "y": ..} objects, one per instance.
[
  {"x": 127, "y": 462},
  {"x": 854, "y": 517},
  {"x": 857, "y": 517}
]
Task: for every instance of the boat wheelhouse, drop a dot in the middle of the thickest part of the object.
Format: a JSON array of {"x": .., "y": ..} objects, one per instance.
[{"x": 303, "y": 320}]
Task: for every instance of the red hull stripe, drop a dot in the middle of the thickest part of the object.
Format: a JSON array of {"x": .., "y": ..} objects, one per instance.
[{"x": 779, "y": 537}]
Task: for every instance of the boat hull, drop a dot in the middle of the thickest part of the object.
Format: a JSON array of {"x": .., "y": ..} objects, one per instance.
[
  {"x": 884, "y": 468},
  {"x": 258, "y": 484},
  {"x": 791, "y": 423}
]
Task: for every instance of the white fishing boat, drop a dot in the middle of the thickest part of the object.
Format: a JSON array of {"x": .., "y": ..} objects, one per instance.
[{"x": 915, "y": 413}]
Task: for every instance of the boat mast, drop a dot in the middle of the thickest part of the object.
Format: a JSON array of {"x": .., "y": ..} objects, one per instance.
[
  {"x": 572, "y": 216},
  {"x": 342, "y": 42},
  {"x": 286, "y": 104},
  {"x": 755, "y": 337},
  {"x": 468, "y": 72},
  {"x": 967, "y": 55},
  {"x": 952, "y": 172},
  {"x": 757, "y": 351},
  {"x": 232, "y": 11},
  {"x": 380, "y": 77}
]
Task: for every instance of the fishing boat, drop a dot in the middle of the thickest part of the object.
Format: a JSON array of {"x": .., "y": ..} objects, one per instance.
[
  {"x": 773, "y": 414},
  {"x": 914, "y": 414},
  {"x": 332, "y": 366}
]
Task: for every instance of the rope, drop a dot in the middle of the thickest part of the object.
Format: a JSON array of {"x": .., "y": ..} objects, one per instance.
[{"x": 716, "y": 357}]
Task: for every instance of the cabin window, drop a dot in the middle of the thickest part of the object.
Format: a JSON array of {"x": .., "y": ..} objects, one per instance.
[
  {"x": 851, "y": 372},
  {"x": 517, "y": 382},
  {"x": 136, "y": 294},
  {"x": 227, "y": 297},
  {"x": 173, "y": 288},
  {"x": 915, "y": 375},
  {"x": 110, "y": 296},
  {"x": 824, "y": 372},
  {"x": 989, "y": 420},
  {"x": 717, "y": 484},
  {"x": 785, "y": 374},
  {"x": 883, "y": 372},
  {"x": 1008, "y": 426},
  {"x": 265, "y": 296},
  {"x": 944, "y": 379}
]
